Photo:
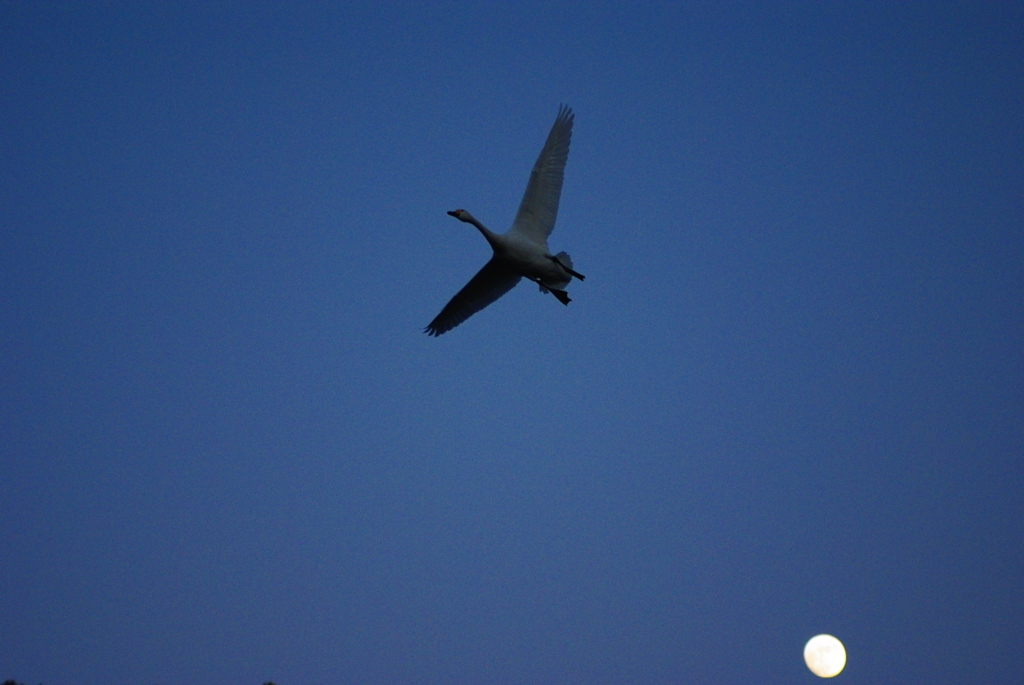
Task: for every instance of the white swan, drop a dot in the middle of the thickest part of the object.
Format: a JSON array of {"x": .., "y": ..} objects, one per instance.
[{"x": 523, "y": 251}]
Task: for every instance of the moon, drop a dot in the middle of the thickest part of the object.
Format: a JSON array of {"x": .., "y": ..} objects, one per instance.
[{"x": 825, "y": 656}]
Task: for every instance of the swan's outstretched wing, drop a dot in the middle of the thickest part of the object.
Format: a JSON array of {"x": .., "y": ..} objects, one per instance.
[
  {"x": 537, "y": 212},
  {"x": 490, "y": 283}
]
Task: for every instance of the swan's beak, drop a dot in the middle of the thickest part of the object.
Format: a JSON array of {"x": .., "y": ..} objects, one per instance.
[{"x": 455, "y": 214}]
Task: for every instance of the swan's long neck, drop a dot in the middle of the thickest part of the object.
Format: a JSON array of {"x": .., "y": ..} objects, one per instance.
[{"x": 491, "y": 236}]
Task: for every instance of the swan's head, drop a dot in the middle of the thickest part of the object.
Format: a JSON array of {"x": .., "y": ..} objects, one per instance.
[{"x": 462, "y": 215}]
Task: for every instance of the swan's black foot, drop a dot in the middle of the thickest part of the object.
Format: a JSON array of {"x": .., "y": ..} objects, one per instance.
[
  {"x": 562, "y": 296},
  {"x": 569, "y": 271}
]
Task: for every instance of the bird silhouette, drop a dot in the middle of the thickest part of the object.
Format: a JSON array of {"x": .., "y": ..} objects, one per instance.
[{"x": 522, "y": 252}]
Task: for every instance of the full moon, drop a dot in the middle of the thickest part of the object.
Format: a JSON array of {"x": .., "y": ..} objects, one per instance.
[{"x": 825, "y": 655}]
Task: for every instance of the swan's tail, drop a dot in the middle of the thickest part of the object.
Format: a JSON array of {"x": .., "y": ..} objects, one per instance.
[
  {"x": 563, "y": 260},
  {"x": 554, "y": 287}
]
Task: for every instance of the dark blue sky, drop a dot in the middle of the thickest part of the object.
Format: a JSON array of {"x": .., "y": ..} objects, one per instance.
[{"x": 788, "y": 399}]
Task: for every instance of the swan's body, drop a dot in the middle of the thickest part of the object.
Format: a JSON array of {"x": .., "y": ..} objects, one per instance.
[{"x": 522, "y": 252}]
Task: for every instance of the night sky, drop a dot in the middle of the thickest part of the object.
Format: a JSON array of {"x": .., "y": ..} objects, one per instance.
[{"x": 788, "y": 399}]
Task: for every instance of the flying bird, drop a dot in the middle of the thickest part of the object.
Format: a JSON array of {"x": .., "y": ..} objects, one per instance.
[{"x": 522, "y": 252}]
